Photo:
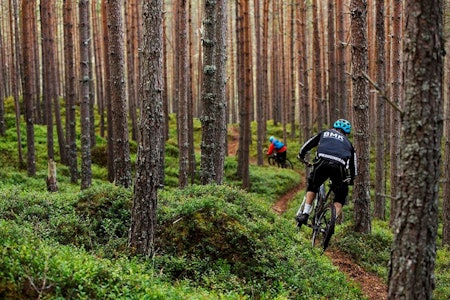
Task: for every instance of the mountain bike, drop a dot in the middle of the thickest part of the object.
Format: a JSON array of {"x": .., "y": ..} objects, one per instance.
[
  {"x": 323, "y": 218},
  {"x": 275, "y": 160}
]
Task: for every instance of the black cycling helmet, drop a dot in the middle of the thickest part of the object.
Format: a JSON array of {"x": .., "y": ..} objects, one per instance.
[{"x": 344, "y": 125}]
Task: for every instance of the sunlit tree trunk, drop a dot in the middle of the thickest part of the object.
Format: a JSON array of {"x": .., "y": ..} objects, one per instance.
[
  {"x": 413, "y": 254},
  {"x": 361, "y": 195}
]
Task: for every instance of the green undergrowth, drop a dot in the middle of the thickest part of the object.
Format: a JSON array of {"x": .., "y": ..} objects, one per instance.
[{"x": 213, "y": 242}]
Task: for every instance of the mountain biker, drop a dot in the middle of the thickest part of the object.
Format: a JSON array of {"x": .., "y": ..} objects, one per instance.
[
  {"x": 335, "y": 159},
  {"x": 278, "y": 148}
]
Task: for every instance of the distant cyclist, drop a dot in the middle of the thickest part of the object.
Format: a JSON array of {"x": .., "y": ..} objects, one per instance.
[
  {"x": 335, "y": 159},
  {"x": 277, "y": 147}
]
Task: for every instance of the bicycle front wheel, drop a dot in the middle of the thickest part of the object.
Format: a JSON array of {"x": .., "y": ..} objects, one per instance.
[
  {"x": 323, "y": 227},
  {"x": 288, "y": 164},
  {"x": 271, "y": 160}
]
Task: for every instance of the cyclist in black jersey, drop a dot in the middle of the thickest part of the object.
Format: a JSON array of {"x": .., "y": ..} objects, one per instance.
[{"x": 335, "y": 159}]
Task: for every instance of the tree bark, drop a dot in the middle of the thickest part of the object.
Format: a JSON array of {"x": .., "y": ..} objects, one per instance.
[
  {"x": 150, "y": 162},
  {"x": 14, "y": 72},
  {"x": 182, "y": 115},
  {"x": 107, "y": 83},
  {"x": 361, "y": 194},
  {"x": 47, "y": 14},
  {"x": 86, "y": 160},
  {"x": 317, "y": 85},
  {"x": 28, "y": 9},
  {"x": 397, "y": 100},
  {"x": 380, "y": 184},
  {"x": 70, "y": 88},
  {"x": 213, "y": 92},
  {"x": 415, "y": 227},
  {"x": 122, "y": 162}
]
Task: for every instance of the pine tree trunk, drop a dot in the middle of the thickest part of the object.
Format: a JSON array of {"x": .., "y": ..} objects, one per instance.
[
  {"x": 28, "y": 8},
  {"x": 122, "y": 162},
  {"x": 413, "y": 255},
  {"x": 380, "y": 185},
  {"x": 182, "y": 116},
  {"x": 70, "y": 89},
  {"x": 14, "y": 72},
  {"x": 361, "y": 195},
  {"x": 397, "y": 99},
  {"x": 109, "y": 122},
  {"x": 86, "y": 160},
  {"x": 151, "y": 129}
]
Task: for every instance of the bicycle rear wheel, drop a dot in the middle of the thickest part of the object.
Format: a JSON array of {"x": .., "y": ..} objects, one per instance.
[{"x": 323, "y": 227}]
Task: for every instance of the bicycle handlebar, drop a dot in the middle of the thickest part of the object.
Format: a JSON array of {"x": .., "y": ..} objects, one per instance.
[{"x": 304, "y": 161}]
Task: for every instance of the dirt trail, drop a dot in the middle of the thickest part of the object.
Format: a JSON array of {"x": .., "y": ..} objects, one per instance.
[{"x": 372, "y": 286}]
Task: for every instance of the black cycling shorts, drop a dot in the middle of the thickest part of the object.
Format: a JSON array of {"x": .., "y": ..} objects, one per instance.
[{"x": 324, "y": 169}]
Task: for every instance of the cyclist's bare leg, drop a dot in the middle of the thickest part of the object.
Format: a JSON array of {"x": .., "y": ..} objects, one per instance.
[
  {"x": 308, "y": 202},
  {"x": 302, "y": 217},
  {"x": 338, "y": 207},
  {"x": 310, "y": 197}
]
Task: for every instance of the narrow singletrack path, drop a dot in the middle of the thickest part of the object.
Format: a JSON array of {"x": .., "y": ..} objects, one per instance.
[{"x": 371, "y": 285}]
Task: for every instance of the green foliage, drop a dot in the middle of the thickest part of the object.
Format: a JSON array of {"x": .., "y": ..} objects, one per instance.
[
  {"x": 272, "y": 181},
  {"x": 442, "y": 274},
  {"x": 32, "y": 268},
  {"x": 222, "y": 238}
]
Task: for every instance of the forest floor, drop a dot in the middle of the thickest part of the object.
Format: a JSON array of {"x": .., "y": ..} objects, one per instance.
[{"x": 372, "y": 286}]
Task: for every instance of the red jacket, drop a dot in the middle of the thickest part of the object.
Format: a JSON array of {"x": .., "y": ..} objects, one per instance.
[{"x": 272, "y": 149}]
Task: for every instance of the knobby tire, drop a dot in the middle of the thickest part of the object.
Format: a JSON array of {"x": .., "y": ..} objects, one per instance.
[
  {"x": 323, "y": 227},
  {"x": 288, "y": 164}
]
